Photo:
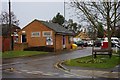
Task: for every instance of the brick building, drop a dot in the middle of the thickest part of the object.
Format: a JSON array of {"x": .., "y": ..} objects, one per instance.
[
  {"x": 6, "y": 38},
  {"x": 43, "y": 33}
]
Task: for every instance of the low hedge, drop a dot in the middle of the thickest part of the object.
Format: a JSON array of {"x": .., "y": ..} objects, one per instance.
[{"x": 40, "y": 48}]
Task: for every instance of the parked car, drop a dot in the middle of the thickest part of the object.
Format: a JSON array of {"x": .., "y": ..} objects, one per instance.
[
  {"x": 114, "y": 40},
  {"x": 79, "y": 43},
  {"x": 85, "y": 43},
  {"x": 97, "y": 43},
  {"x": 90, "y": 43}
]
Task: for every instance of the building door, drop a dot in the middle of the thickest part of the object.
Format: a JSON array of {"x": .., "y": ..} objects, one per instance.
[
  {"x": 23, "y": 38},
  {"x": 63, "y": 42}
]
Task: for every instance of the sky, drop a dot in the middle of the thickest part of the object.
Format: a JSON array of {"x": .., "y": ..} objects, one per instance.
[{"x": 27, "y": 11}]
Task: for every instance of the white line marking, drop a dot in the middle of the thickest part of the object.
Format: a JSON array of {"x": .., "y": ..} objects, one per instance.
[{"x": 27, "y": 61}]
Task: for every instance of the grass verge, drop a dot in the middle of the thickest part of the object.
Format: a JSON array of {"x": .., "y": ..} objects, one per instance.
[
  {"x": 99, "y": 62},
  {"x": 14, "y": 54}
]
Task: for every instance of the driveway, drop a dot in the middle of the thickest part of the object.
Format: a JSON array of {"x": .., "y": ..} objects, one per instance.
[{"x": 40, "y": 67}]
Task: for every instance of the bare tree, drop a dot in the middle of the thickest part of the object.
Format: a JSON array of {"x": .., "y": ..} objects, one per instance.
[
  {"x": 106, "y": 13},
  {"x": 4, "y": 18}
]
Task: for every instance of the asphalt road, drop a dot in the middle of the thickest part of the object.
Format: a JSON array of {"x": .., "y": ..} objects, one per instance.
[{"x": 41, "y": 67}]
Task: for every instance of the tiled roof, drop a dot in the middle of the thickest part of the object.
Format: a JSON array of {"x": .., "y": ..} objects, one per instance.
[{"x": 57, "y": 28}]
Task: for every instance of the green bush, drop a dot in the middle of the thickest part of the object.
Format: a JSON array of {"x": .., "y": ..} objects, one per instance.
[{"x": 40, "y": 48}]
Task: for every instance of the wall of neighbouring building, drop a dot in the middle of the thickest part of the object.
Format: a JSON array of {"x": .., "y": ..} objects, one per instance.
[
  {"x": 0, "y": 43},
  {"x": 6, "y": 44}
]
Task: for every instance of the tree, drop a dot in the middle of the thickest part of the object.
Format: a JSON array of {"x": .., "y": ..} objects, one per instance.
[
  {"x": 4, "y": 18},
  {"x": 106, "y": 13},
  {"x": 58, "y": 19},
  {"x": 72, "y": 26},
  {"x": 100, "y": 32}
]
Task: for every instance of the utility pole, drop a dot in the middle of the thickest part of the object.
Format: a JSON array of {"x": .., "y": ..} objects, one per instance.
[
  {"x": 64, "y": 8},
  {"x": 10, "y": 27},
  {"x": 9, "y": 15}
]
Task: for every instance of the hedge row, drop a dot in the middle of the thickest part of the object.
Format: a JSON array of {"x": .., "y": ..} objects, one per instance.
[{"x": 40, "y": 48}]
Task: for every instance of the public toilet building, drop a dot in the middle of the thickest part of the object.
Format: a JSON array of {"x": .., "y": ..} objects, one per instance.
[{"x": 43, "y": 33}]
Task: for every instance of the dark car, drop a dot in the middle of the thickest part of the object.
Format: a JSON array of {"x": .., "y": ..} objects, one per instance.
[
  {"x": 85, "y": 44},
  {"x": 79, "y": 43},
  {"x": 97, "y": 43}
]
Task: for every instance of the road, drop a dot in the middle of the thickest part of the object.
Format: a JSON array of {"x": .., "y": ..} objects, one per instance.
[{"x": 41, "y": 67}]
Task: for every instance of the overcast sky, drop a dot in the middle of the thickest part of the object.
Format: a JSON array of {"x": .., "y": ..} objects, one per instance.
[{"x": 28, "y": 11}]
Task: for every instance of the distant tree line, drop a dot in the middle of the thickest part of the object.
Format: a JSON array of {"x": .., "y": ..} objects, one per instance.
[{"x": 70, "y": 25}]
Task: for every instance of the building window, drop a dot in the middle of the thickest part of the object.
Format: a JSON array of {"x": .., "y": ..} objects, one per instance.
[
  {"x": 47, "y": 33},
  {"x": 15, "y": 36},
  {"x": 16, "y": 39},
  {"x": 35, "y": 34}
]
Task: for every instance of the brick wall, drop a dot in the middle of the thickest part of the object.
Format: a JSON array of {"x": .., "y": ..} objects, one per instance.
[
  {"x": 6, "y": 44},
  {"x": 20, "y": 46},
  {"x": 68, "y": 44},
  {"x": 58, "y": 42},
  {"x": 0, "y": 43},
  {"x": 35, "y": 26}
]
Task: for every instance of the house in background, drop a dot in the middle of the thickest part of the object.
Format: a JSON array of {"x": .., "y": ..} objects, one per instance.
[
  {"x": 6, "y": 37},
  {"x": 43, "y": 33},
  {"x": 83, "y": 34}
]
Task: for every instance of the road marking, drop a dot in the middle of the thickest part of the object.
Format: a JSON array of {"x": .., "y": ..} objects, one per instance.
[
  {"x": 23, "y": 70},
  {"x": 27, "y": 61},
  {"x": 68, "y": 75},
  {"x": 29, "y": 72},
  {"x": 37, "y": 72},
  {"x": 52, "y": 73},
  {"x": 34, "y": 72}
]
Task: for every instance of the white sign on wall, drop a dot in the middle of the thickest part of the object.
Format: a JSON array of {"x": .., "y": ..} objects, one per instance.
[{"x": 49, "y": 41}]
